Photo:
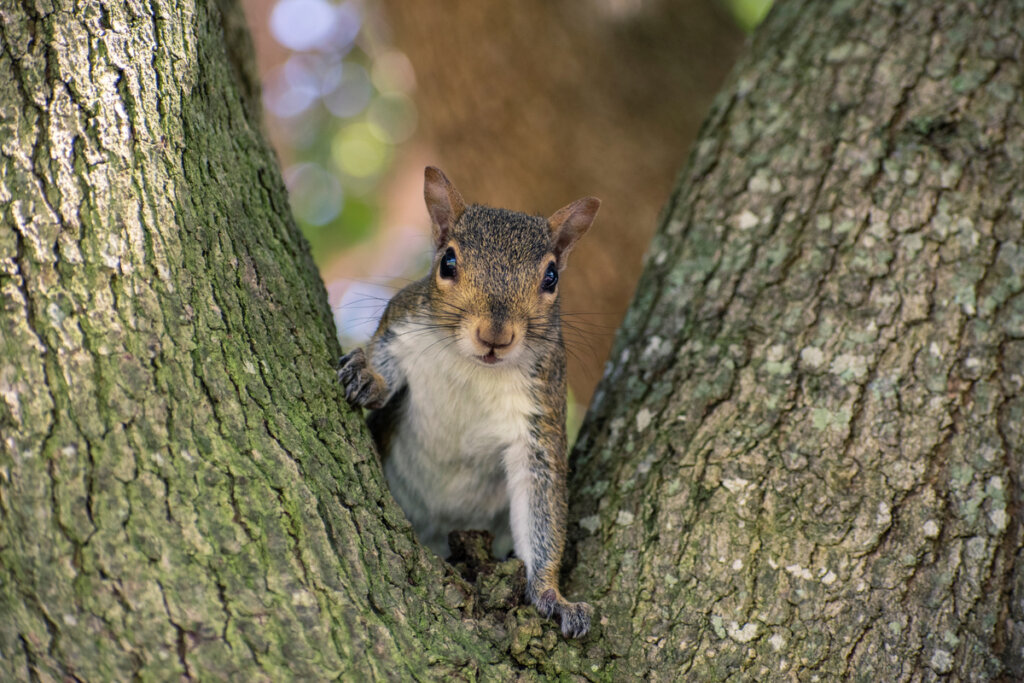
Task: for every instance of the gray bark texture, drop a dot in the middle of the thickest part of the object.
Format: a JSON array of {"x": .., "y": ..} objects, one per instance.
[{"x": 803, "y": 462}]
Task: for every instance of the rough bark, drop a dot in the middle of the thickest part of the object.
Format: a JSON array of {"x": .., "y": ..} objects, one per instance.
[
  {"x": 803, "y": 460},
  {"x": 181, "y": 491}
]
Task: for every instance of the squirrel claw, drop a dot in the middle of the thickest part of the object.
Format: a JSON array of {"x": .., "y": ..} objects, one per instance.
[
  {"x": 362, "y": 385},
  {"x": 574, "y": 617}
]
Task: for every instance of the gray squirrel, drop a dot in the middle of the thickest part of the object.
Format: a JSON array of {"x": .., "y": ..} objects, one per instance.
[{"x": 465, "y": 379}]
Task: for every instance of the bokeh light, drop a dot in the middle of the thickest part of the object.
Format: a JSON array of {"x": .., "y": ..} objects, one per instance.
[
  {"x": 291, "y": 89},
  {"x": 393, "y": 72},
  {"x": 748, "y": 13},
  {"x": 352, "y": 92},
  {"x": 315, "y": 193},
  {"x": 339, "y": 103},
  {"x": 303, "y": 25},
  {"x": 392, "y": 118},
  {"x": 359, "y": 153}
]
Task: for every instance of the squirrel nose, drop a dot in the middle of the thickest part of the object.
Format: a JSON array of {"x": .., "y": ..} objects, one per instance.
[{"x": 496, "y": 339}]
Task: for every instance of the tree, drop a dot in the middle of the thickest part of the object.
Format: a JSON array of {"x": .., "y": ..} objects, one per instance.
[{"x": 803, "y": 462}]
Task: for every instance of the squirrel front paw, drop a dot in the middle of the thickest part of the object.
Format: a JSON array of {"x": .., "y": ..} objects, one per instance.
[
  {"x": 363, "y": 386},
  {"x": 574, "y": 617}
]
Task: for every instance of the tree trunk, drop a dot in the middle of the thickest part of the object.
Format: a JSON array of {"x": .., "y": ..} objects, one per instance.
[
  {"x": 805, "y": 459},
  {"x": 182, "y": 492},
  {"x": 802, "y": 462}
]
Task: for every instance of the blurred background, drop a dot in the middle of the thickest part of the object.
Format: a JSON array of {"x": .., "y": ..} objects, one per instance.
[{"x": 526, "y": 105}]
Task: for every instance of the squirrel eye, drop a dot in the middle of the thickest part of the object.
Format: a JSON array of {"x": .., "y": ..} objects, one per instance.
[
  {"x": 447, "y": 269},
  {"x": 550, "y": 279}
]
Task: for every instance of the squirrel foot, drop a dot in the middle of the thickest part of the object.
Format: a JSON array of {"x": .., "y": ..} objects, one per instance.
[
  {"x": 363, "y": 386},
  {"x": 574, "y": 617}
]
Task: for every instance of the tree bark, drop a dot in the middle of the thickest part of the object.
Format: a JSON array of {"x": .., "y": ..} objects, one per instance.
[
  {"x": 803, "y": 461},
  {"x": 182, "y": 492}
]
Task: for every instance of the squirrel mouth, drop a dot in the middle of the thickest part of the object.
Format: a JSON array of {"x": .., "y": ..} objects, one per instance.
[{"x": 490, "y": 358}]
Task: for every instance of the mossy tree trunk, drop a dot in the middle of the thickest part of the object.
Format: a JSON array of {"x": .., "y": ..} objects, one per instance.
[
  {"x": 803, "y": 460},
  {"x": 181, "y": 490}
]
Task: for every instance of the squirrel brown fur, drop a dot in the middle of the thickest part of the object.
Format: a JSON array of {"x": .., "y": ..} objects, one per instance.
[{"x": 465, "y": 379}]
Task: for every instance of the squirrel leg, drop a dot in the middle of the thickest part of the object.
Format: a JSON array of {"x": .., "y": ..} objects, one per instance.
[{"x": 538, "y": 513}]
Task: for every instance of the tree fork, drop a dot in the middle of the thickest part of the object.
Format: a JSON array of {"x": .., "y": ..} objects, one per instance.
[{"x": 803, "y": 460}]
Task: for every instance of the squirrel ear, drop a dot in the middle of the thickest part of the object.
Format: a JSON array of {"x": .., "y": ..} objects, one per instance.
[
  {"x": 569, "y": 223},
  {"x": 444, "y": 203}
]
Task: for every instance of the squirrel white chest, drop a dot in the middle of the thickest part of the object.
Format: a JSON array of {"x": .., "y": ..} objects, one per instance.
[{"x": 463, "y": 429}]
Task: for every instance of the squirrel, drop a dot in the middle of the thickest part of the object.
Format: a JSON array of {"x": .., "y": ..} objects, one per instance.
[{"x": 465, "y": 381}]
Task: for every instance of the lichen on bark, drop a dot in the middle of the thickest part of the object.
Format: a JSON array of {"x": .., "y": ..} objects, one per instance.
[
  {"x": 803, "y": 461},
  {"x": 804, "y": 458},
  {"x": 182, "y": 491}
]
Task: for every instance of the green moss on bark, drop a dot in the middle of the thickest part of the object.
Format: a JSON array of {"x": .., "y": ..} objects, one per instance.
[{"x": 803, "y": 460}]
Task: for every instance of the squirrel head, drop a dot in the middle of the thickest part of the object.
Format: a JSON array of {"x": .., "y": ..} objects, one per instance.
[{"x": 494, "y": 278}]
